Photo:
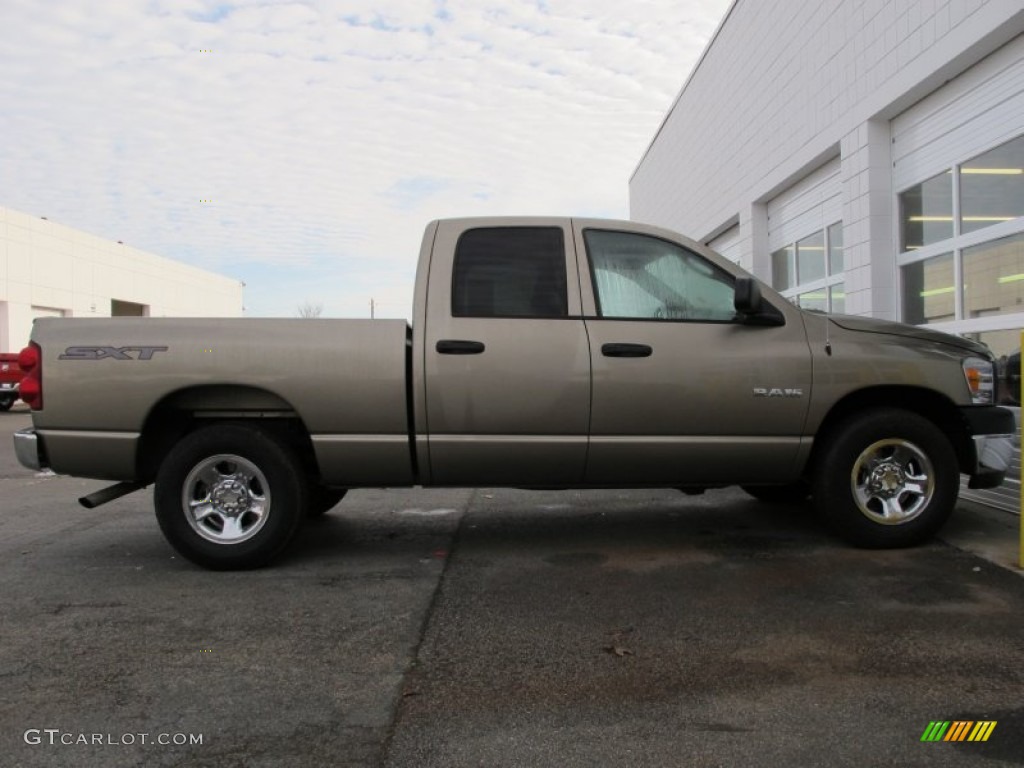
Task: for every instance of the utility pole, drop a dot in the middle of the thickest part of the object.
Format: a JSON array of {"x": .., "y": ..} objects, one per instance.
[{"x": 371, "y": 308}]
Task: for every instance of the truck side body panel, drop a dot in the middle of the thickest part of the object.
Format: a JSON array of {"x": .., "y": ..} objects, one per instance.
[
  {"x": 690, "y": 413},
  {"x": 344, "y": 379},
  {"x": 847, "y": 362}
]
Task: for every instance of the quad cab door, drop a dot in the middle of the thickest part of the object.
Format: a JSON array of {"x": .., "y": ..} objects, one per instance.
[
  {"x": 684, "y": 391},
  {"x": 505, "y": 356}
]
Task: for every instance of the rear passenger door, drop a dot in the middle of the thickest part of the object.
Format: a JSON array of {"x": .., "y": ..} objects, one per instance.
[{"x": 507, "y": 361}]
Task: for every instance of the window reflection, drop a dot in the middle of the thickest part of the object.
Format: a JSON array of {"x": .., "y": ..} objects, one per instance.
[
  {"x": 926, "y": 212},
  {"x": 813, "y": 300},
  {"x": 835, "y": 249},
  {"x": 810, "y": 258},
  {"x": 992, "y": 187},
  {"x": 929, "y": 291},
  {"x": 994, "y": 277},
  {"x": 809, "y": 262},
  {"x": 784, "y": 268},
  {"x": 837, "y": 295}
]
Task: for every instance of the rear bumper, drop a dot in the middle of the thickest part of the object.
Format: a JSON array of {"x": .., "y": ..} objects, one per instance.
[
  {"x": 29, "y": 449},
  {"x": 993, "y": 431}
]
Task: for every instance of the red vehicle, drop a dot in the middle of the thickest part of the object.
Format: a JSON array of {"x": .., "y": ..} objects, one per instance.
[{"x": 10, "y": 375}]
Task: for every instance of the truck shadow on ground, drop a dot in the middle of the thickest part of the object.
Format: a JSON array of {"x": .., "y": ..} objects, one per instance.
[{"x": 567, "y": 525}]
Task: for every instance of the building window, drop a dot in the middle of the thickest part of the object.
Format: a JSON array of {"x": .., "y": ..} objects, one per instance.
[
  {"x": 962, "y": 260},
  {"x": 929, "y": 291},
  {"x": 926, "y": 212},
  {"x": 992, "y": 187},
  {"x": 994, "y": 277},
  {"x": 809, "y": 272}
]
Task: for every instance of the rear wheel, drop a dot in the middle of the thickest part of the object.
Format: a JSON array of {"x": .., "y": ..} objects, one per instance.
[
  {"x": 229, "y": 497},
  {"x": 887, "y": 478},
  {"x": 6, "y": 401}
]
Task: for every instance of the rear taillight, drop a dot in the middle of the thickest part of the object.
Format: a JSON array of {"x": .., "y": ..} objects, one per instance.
[{"x": 30, "y": 360}]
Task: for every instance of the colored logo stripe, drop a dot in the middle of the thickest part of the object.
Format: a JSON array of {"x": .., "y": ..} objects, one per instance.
[
  {"x": 958, "y": 730},
  {"x": 982, "y": 731}
]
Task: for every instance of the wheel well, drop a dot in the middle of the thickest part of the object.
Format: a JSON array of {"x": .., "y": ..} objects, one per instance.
[
  {"x": 927, "y": 403},
  {"x": 187, "y": 410}
]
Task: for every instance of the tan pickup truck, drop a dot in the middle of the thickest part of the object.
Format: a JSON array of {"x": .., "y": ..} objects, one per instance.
[{"x": 544, "y": 353}]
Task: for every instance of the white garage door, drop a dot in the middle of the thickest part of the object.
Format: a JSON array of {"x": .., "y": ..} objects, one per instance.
[
  {"x": 727, "y": 244},
  {"x": 978, "y": 110},
  {"x": 809, "y": 206}
]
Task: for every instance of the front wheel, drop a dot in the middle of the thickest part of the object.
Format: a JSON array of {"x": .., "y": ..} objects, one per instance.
[
  {"x": 322, "y": 500},
  {"x": 794, "y": 493},
  {"x": 887, "y": 478},
  {"x": 6, "y": 401},
  {"x": 230, "y": 497}
]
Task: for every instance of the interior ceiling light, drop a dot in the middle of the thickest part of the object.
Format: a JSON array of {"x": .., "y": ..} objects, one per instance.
[
  {"x": 994, "y": 171},
  {"x": 926, "y": 219}
]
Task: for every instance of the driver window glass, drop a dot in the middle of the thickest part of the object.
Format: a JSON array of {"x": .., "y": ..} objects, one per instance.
[{"x": 644, "y": 277}]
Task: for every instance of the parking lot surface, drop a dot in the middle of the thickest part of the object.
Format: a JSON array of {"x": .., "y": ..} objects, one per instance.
[{"x": 497, "y": 628}]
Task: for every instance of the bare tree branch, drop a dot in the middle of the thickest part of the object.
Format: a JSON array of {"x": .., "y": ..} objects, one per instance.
[{"x": 309, "y": 310}]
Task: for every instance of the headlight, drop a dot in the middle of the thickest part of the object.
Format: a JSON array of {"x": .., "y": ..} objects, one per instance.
[{"x": 980, "y": 380}]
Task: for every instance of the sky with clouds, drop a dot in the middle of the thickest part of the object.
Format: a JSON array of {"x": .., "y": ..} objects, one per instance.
[{"x": 302, "y": 146}]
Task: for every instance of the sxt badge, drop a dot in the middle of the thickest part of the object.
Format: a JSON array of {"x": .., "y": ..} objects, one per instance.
[{"x": 111, "y": 353}]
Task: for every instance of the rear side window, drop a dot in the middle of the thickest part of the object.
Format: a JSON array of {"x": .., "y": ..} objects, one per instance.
[{"x": 510, "y": 272}]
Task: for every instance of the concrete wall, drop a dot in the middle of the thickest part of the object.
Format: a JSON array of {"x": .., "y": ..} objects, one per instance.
[{"x": 48, "y": 268}]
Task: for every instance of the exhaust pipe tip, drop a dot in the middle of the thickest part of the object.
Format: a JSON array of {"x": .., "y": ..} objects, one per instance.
[{"x": 109, "y": 493}]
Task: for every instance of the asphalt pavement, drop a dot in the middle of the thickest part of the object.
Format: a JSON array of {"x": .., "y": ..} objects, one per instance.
[{"x": 498, "y": 627}]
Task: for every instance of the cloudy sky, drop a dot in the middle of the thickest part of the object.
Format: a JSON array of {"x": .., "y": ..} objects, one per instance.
[{"x": 302, "y": 146}]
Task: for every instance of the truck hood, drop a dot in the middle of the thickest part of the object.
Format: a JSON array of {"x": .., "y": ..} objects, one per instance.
[{"x": 873, "y": 325}]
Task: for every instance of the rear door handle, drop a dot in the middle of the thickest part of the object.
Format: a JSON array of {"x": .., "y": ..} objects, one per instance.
[
  {"x": 626, "y": 350},
  {"x": 459, "y": 347}
]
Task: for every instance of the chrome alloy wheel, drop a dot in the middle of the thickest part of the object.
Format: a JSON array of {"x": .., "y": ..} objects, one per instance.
[
  {"x": 226, "y": 499},
  {"x": 893, "y": 481}
]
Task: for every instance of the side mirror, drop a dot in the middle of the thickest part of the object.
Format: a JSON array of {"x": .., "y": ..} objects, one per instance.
[
  {"x": 747, "y": 298},
  {"x": 751, "y": 308}
]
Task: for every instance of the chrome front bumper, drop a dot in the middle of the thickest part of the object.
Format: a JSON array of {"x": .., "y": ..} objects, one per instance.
[
  {"x": 994, "y": 454},
  {"x": 27, "y": 448}
]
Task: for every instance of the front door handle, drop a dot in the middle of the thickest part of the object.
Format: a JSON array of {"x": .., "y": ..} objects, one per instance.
[
  {"x": 626, "y": 350},
  {"x": 459, "y": 347}
]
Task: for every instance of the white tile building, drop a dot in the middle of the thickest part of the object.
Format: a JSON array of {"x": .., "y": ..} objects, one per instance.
[
  {"x": 47, "y": 270},
  {"x": 863, "y": 156}
]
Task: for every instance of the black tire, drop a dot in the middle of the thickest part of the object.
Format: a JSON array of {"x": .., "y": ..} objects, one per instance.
[
  {"x": 886, "y": 478},
  {"x": 794, "y": 493},
  {"x": 256, "y": 492},
  {"x": 322, "y": 500},
  {"x": 6, "y": 403}
]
